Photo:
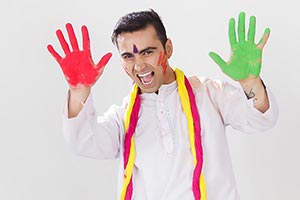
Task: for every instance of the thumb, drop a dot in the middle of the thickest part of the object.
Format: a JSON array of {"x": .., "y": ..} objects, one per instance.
[
  {"x": 217, "y": 59},
  {"x": 54, "y": 53},
  {"x": 104, "y": 60},
  {"x": 264, "y": 39}
]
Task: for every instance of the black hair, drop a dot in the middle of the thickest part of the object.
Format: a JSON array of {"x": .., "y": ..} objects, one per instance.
[{"x": 139, "y": 20}]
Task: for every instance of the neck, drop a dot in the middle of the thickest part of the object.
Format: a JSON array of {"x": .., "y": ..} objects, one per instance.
[{"x": 169, "y": 76}]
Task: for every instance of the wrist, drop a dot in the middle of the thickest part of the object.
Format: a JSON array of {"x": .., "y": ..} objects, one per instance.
[
  {"x": 76, "y": 101},
  {"x": 255, "y": 90},
  {"x": 80, "y": 92},
  {"x": 250, "y": 82},
  {"x": 251, "y": 86},
  {"x": 79, "y": 96}
]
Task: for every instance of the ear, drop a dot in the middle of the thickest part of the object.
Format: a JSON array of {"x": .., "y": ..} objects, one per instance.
[{"x": 169, "y": 48}]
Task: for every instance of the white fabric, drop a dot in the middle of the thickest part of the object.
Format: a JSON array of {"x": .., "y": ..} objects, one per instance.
[{"x": 164, "y": 164}]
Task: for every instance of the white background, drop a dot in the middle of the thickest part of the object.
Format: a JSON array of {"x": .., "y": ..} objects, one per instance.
[{"x": 35, "y": 163}]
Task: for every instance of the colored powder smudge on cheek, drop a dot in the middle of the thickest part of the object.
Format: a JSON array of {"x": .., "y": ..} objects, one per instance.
[
  {"x": 126, "y": 70},
  {"x": 162, "y": 61}
]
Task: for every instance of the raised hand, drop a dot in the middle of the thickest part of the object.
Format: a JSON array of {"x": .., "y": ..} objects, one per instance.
[
  {"x": 246, "y": 56},
  {"x": 77, "y": 65}
]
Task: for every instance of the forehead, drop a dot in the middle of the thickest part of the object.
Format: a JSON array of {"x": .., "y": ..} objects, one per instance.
[{"x": 142, "y": 39}]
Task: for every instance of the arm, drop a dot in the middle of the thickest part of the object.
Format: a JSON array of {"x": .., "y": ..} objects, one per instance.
[
  {"x": 84, "y": 133},
  {"x": 94, "y": 136},
  {"x": 244, "y": 64},
  {"x": 232, "y": 106},
  {"x": 78, "y": 67}
]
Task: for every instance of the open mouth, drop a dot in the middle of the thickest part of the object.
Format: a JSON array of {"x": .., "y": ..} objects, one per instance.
[{"x": 146, "y": 78}]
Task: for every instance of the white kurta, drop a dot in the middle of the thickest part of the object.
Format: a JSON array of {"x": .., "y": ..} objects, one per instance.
[{"x": 164, "y": 164}]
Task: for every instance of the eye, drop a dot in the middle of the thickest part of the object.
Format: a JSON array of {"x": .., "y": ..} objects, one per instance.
[
  {"x": 126, "y": 56},
  {"x": 147, "y": 52}
]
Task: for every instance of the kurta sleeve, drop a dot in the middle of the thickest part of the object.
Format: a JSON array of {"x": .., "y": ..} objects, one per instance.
[
  {"x": 233, "y": 107},
  {"x": 92, "y": 136},
  {"x": 240, "y": 113}
]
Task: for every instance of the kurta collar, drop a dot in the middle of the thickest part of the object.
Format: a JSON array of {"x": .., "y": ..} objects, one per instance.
[{"x": 164, "y": 91}]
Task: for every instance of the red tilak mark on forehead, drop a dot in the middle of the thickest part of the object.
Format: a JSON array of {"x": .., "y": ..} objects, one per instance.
[
  {"x": 135, "y": 49},
  {"x": 162, "y": 61}
]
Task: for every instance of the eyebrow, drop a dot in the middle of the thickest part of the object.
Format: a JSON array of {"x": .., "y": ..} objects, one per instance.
[{"x": 140, "y": 52}]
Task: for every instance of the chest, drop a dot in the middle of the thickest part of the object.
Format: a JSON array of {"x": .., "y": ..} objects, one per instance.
[{"x": 161, "y": 131}]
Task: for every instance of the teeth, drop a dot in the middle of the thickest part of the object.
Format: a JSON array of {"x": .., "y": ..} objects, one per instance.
[
  {"x": 143, "y": 75},
  {"x": 146, "y": 83}
]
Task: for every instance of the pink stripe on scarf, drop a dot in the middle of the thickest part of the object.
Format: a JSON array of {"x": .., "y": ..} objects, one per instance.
[
  {"x": 198, "y": 143},
  {"x": 127, "y": 143}
]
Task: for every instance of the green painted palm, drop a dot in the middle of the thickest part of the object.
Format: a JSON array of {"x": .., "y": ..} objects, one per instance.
[{"x": 245, "y": 56}]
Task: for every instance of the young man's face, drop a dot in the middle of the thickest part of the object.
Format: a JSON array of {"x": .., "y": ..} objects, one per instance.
[{"x": 144, "y": 59}]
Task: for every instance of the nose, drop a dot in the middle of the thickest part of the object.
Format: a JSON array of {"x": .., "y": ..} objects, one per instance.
[{"x": 139, "y": 65}]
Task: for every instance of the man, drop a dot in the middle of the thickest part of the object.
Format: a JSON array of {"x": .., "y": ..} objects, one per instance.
[{"x": 170, "y": 131}]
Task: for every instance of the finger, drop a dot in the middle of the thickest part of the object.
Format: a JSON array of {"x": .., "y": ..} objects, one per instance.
[
  {"x": 251, "y": 30},
  {"x": 264, "y": 39},
  {"x": 54, "y": 53},
  {"x": 63, "y": 42},
  {"x": 104, "y": 60},
  {"x": 231, "y": 32},
  {"x": 241, "y": 27},
  {"x": 85, "y": 38},
  {"x": 217, "y": 59},
  {"x": 72, "y": 37}
]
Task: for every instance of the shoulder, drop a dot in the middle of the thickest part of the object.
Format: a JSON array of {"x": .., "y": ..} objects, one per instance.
[{"x": 206, "y": 83}]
